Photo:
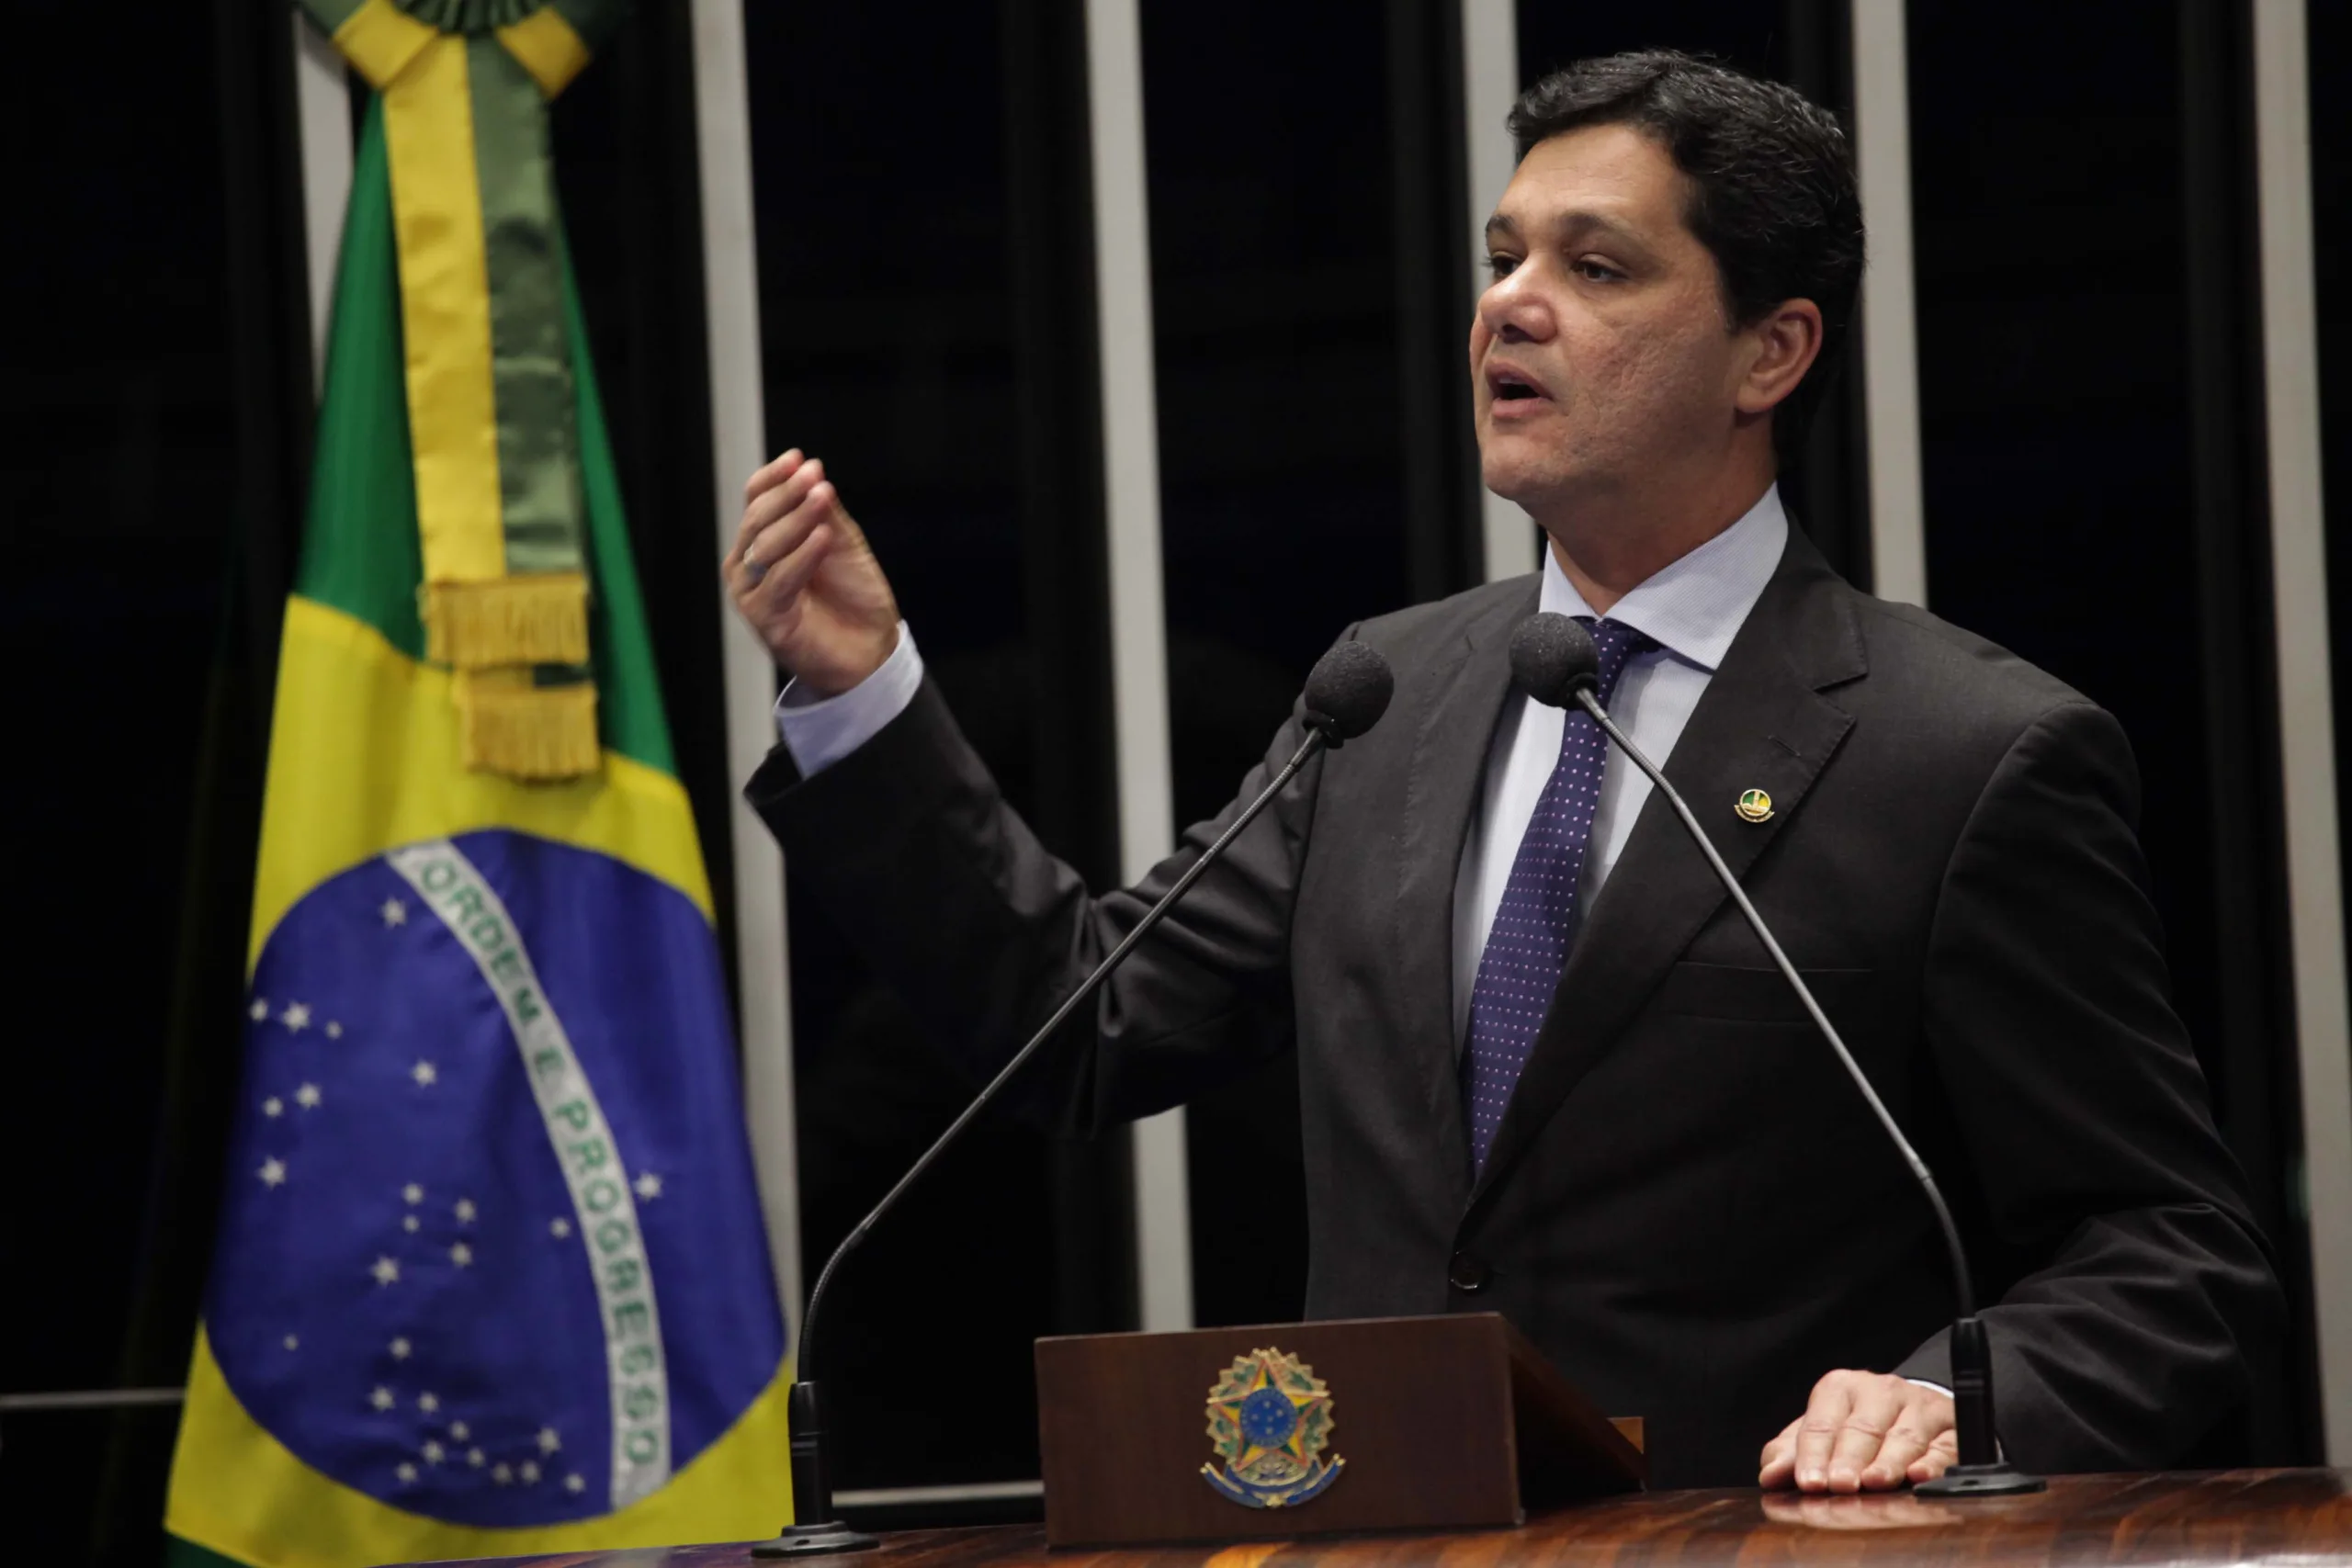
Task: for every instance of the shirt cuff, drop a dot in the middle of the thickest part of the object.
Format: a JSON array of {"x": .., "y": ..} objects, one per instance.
[
  {"x": 819, "y": 731},
  {"x": 1923, "y": 1382}
]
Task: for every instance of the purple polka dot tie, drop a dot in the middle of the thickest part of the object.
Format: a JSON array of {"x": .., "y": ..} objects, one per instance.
[{"x": 1536, "y": 923}]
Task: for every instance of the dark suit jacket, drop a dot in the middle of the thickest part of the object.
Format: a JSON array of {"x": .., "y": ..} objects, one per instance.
[{"x": 1688, "y": 1206}]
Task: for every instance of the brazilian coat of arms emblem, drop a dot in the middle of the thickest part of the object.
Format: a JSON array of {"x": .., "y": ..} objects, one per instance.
[{"x": 1270, "y": 1417}]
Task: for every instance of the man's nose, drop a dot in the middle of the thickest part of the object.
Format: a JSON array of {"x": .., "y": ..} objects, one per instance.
[{"x": 1513, "y": 311}]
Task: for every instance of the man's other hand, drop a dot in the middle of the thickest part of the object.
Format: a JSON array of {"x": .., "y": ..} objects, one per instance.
[
  {"x": 1862, "y": 1432},
  {"x": 802, "y": 575}
]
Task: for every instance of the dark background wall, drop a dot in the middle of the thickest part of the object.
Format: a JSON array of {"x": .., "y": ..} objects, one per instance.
[
  {"x": 156, "y": 393},
  {"x": 2090, "y": 409},
  {"x": 926, "y": 275},
  {"x": 2093, "y": 486}
]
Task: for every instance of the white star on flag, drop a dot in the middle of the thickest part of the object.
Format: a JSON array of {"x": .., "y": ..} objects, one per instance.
[
  {"x": 412, "y": 1193},
  {"x": 395, "y": 913},
  {"x": 409, "y": 1223},
  {"x": 459, "y": 1431},
  {"x": 272, "y": 1172},
  {"x": 407, "y": 1472},
  {"x": 424, "y": 1074},
  {"x": 386, "y": 1270},
  {"x": 648, "y": 1185},
  {"x": 558, "y": 1228},
  {"x": 502, "y": 1473},
  {"x": 381, "y": 1399},
  {"x": 549, "y": 1441},
  {"x": 335, "y": 1030},
  {"x": 273, "y": 1106},
  {"x": 307, "y": 1096},
  {"x": 292, "y": 1343},
  {"x": 297, "y": 1017},
  {"x": 474, "y": 1457},
  {"x": 428, "y": 1402},
  {"x": 575, "y": 1483},
  {"x": 530, "y": 1472},
  {"x": 432, "y": 1451},
  {"x": 399, "y": 1349},
  {"x": 462, "y": 1255},
  {"x": 466, "y": 1211},
  {"x": 259, "y": 1010}
]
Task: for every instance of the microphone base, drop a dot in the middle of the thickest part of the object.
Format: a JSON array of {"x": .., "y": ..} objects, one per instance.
[
  {"x": 821, "y": 1540},
  {"x": 1997, "y": 1480}
]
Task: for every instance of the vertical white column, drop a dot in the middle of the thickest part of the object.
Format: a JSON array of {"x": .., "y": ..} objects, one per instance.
[
  {"x": 1489, "y": 86},
  {"x": 737, "y": 447},
  {"x": 2306, "y": 704},
  {"x": 1889, "y": 330},
  {"x": 1138, "y": 618},
  {"x": 322, "y": 125}
]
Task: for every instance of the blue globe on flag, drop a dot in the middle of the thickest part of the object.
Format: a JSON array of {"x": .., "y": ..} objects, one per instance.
[{"x": 476, "y": 1260}]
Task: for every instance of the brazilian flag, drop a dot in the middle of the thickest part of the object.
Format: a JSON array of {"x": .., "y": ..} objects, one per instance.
[{"x": 491, "y": 1276}]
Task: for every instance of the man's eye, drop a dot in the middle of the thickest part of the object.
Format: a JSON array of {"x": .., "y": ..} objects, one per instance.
[
  {"x": 1599, "y": 271},
  {"x": 1499, "y": 264}
]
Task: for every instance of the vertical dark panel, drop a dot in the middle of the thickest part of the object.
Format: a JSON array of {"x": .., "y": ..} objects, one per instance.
[
  {"x": 2255, "y": 1085},
  {"x": 1312, "y": 310},
  {"x": 1805, "y": 43},
  {"x": 1065, "y": 553},
  {"x": 1308, "y": 352},
  {"x": 2331, "y": 67},
  {"x": 925, "y": 267},
  {"x": 1429, "y": 178},
  {"x": 1828, "y": 491},
  {"x": 2093, "y": 494},
  {"x": 155, "y": 394}
]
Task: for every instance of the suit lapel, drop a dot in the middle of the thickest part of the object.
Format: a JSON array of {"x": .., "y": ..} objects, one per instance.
[
  {"x": 1454, "y": 731},
  {"x": 1761, "y": 725}
]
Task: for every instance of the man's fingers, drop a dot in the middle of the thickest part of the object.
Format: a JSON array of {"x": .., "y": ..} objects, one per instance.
[
  {"x": 1818, "y": 1429},
  {"x": 784, "y": 537},
  {"x": 1777, "y": 1465},
  {"x": 784, "y": 580},
  {"x": 1941, "y": 1455},
  {"x": 1877, "y": 1407},
  {"x": 777, "y": 469},
  {"x": 755, "y": 519},
  {"x": 773, "y": 505},
  {"x": 1905, "y": 1442}
]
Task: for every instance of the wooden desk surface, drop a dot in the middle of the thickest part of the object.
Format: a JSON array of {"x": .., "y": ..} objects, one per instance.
[{"x": 2221, "y": 1516}]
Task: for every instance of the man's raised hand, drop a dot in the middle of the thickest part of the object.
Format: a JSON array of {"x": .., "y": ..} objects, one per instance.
[
  {"x": 803, "y": 577},
  {"x": 1862, "y": 1432}
]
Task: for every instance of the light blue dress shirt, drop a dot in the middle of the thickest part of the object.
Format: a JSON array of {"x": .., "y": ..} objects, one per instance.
[{"x": 1691, "y": 609}]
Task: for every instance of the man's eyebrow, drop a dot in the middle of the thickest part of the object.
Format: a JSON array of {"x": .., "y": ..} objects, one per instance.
[{"x": 1566, "y": 225}]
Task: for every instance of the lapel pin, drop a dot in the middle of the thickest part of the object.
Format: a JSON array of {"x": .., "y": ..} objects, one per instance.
[{"x": 1754, "y": 806}]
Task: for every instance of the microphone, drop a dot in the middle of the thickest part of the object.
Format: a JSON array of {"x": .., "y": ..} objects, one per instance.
[
  {"x": 1346, "y": 693},
  {"x": 1554, "y": 662}
]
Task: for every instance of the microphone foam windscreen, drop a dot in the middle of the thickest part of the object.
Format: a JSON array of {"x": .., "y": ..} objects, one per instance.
[
  {"x": 1551, "y": 656},
  {"x": 1348, "y": 690}
]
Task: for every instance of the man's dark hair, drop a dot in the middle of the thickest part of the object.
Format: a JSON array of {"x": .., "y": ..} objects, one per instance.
[{"x": 1772, "y": 194}]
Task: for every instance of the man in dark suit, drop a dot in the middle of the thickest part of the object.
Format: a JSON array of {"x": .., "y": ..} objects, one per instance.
[{"x": 1544, "y": 1067}]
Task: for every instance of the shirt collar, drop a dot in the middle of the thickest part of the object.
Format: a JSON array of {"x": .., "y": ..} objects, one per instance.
[{"x": 1694, "y": 606}]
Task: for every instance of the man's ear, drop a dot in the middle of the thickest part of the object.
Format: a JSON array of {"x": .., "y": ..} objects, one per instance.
[{"x": 1787, "y": 341}]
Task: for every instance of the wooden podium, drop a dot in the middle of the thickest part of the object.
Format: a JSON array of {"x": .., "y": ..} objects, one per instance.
[{"x": 1452, "y": 1422}]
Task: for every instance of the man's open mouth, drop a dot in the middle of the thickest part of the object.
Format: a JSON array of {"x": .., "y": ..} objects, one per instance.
[{"x": 1511, "y": 385}]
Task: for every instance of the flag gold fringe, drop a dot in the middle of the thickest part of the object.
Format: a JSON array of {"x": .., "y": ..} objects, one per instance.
[
  {"x": 507, "y": 725},
  {"x": 538, "y": 619}
]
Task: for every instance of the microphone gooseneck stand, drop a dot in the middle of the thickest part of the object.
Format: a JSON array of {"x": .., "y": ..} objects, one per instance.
[
  {"x": 1345, "y": 695},
  {"x": 1558, "y": 667}
]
